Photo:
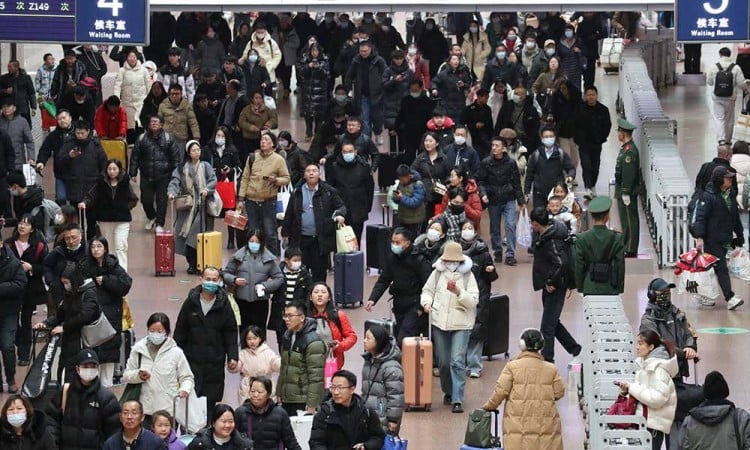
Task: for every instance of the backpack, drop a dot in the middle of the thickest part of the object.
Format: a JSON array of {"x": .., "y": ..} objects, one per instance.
[
  {"x": 724, "y": 83},
  {"x": 49, "y": 210},
  {"x": 692, "y": 206}
]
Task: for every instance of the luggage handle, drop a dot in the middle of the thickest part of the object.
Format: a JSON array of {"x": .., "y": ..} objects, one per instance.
[
  {"x": 82, "y": 222},
  {"x": 385, "y": 214}
]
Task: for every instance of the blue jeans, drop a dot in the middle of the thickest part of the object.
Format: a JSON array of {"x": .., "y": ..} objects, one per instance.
[
  {"x": 60, "y": 195},
  {"x": 451, "y": 350},
  {"x": 474, "y": 356},
  {"x": 504, "y": 211},
  {"x": 262, "y": 216},
  {"x": 371, "y": 113},
  {"x": 8, "y": 326}
]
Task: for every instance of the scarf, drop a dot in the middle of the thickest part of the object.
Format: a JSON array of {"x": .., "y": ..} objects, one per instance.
[
  {"x": 454, "y": 222},
  {"x": 195, "y": 183}
]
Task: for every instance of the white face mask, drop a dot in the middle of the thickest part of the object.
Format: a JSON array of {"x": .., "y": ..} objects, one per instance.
[
  {"x": 16, "y": 420},
  {"x": 295, "y": 265},
  {"x": 157, "y": 338},
  {"x": 468, "y": 235},
  {"x": 88, "y": 375},
  {"x": 531, "y": 45},
  {"x": 459, "y": 140},
  {"x": 220, "y": 141},
  {"x": 433, "y": 235},
  {"x": 452, "y": 266},
  {"x": 473, "y": 29},
  {"x": 412, "y": 51},
  {"x": 548, "y": 142},
  {"x": 253, "y": 58}
]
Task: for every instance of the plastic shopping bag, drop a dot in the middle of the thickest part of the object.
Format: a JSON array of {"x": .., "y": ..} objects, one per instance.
[
  {"x": 330, "y": 368},
  {"x": 191, "y": 412},
  {"x": 302, "y": 427},
  {"x": 738, "y": 263},
  {"x": 704, "y": 283},
  {"x": 523, "y": 229},
  {"x": 346, "y": 240},
  {"x": 394, "y": 442},
  {"x": 282, "y": 201}
]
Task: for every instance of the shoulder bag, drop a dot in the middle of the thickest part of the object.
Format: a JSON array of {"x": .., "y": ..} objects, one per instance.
[
  {"x": 97, "y": 332},
  {"x": 132, "y": 390}
]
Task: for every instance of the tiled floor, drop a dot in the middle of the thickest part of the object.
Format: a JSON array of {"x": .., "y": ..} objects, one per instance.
[{"x": 440, "y": 429}]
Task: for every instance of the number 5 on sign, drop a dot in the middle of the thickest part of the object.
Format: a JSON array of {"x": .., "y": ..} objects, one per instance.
[{"x": 114, "y": 5}]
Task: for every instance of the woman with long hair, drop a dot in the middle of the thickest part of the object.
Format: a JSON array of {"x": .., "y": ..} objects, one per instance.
[
  {"x": 333, "y": 327},
  {"x": 224, "y": 157}
]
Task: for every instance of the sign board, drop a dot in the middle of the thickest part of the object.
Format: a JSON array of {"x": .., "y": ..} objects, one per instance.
[
  {"x": 712, "y": 20},
  {"x": 75, "y": 21}
]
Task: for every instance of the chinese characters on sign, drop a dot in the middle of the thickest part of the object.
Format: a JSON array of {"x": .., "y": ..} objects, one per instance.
[
  {"x": 712, "y": 20},
  {"x": 43, "y": 21}
]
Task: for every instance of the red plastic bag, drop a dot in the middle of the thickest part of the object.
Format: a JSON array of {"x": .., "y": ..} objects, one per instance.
[
  {"x": 695, "y": 261},
  {"x": 625, "y": 405},
  {"x": 227, "y": 193},
  {"x": 330, "y": 368}
]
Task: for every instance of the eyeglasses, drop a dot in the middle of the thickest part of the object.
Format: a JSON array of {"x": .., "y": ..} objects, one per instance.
[
  {"x": 289, "y": 316},
  {"x": 130, "y": 413},
  {"x": 339, "y": 388}
]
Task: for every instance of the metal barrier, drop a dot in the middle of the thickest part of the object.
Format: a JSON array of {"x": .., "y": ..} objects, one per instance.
[
  {"x": 608, "y": 355},
  {"x": 645, "y": 66}
]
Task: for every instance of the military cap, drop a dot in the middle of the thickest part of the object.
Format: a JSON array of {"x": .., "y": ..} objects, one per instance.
[
  {"x": 623, "y": 124},
  {"x": 600, "y": 205}
]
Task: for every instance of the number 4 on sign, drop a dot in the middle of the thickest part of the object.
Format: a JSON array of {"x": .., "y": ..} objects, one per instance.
[{"x": 114, "y": 5}]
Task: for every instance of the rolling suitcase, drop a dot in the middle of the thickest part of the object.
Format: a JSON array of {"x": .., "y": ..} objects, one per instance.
[
  {"x": 164, "y": 251},
  {"x": 116, "y": 149},
  {"x": 349, "y": 279},
  {"x": 126, "y": 346},
  {"x": 388, "y": 164},
  {"x": 497, "y": 335},
  {"x": 416, "y": 359},
  {"x": 389, "y": 324},
  {"x": 378, "y": 242},
  {"x": 611, "y": 53},
  {"x": 209, "y": 245}
]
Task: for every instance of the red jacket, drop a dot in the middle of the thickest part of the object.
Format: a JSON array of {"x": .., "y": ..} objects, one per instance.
[
  {"x": 473, "y": 206},
  {"x": 110, "y": 126},
  {"x": 421, "y": 71},
  {"x": 346, "y": 337}
]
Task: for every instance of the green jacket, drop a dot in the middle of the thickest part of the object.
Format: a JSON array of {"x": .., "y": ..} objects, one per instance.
[
  {"x": 628, "y": 170},
  {"x": 302, "y": 365},
  {"x": 599, "y": 244}
]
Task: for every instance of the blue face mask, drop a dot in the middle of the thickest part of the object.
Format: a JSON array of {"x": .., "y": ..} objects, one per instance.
[
  {"x": 396, "y": 249},
  {"x": 349, "y": 157},
  {"x": 210, "y": 286},
  {"x": 500, "y": 55},
  {"x": 254, "y": 247}
]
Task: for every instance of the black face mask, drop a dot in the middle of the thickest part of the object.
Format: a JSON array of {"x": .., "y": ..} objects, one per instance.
[
  {"x": 457, "y": 209},
  {"x": 81, "y": 143},
  {"x": 663, "y": 300}
]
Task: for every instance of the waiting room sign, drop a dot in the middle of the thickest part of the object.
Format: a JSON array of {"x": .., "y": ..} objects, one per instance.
[{"x": 712, "y": 20}]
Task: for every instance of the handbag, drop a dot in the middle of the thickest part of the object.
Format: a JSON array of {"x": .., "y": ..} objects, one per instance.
[
  {"x": 438, "y": 188},
  {"x": 394, "y": 442},
  {"x": 214, "y": 205},
  {"x": 132, "y": 390},
  {"x": 127, "y": 316},
  {"x": 330, "y": 368},
  {"x": 479, "y": 429},
  {"x": 227, "y": 191},
  {"x": 346, "y": 240},
  {"x": 523, "y": 229},
  {"x": 184, "y": 202},
  {"x": 282, "y": 201},
  {"x": 97, "y": 332},
  {"x": 625, "y": 405}
]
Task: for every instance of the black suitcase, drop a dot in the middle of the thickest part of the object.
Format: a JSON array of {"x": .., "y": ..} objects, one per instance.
[
  {"x": 349, "y": 279},
  {"x": 389, "y": 324},
  {"x": 378, "y": 241},
  {"x": 126, "y": 346},
  {"x": 388, "y": 164},
  {"x": 497, "y": 337}
]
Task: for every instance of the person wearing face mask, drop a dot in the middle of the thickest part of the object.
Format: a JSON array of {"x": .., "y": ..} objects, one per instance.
[
  {"x": 461, "y": 154},
  {"x": 352, "y": 177},
  {"x": 450, "y": 298},
  {"x": 547, "y": 166},
  {"x": 132, "y": 85},
  {"x": 387, "y": 38},
  {"x": 257, "y": 78},
  {"x": 160, "y": 367},
  {"x": 206, "y": 331},
  {"x": 541, "y": 60},
  {"x": 414, "y": 113},
  {"x": 454, "y": 214},
  {"x": 521, "y": 115},
  {"x": 500, "y": 67},
  {"x": 475, "y": 48},
  {"x": 25, "y": 199},
  {"x": 71, "y": 250},
  {"x": 296, "y": 287},
  {"x": 112, "y": 285},
  {"x": 511, "y": 40},
  {"x": 223, "y": 156},
  {"x": 433, "y": 45},
  {"x": 452, "y": 84},
  {"x": 13, "y": 278},
  {"x": 484, "y": 273},
  {"x": 85, "y": 414},
  {"x": 460, "y": 178},
  {"x": 528, "y": 52},
  {"x": 396, "y": 80},
  {"x": 22, "y": 427},
  {"x": 313, "y": 73},
  {"x": 495, "y": 30},
  {"x": 268, "y": 50},
  {"x": 573, "y": 57},
  {"x": 430, "y": 244}
]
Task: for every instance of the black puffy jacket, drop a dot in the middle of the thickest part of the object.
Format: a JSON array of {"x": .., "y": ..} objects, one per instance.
[
  {"x": 81, "y": 173},
  {"x": 54, "y": 264},
  {"x": 205, "y": 439},
  {"x": 35, "y": 435},
  {"x": 394, "y": 91},
  {"x": 156, "y": 156},
  {"x": 326, "y": 204},
  {"x": 551, "y": 262},
  {"x": 12, "y": 283},
  {"x": 451, "y": 95},
  {"x": 437, "y": 170},
  {"x": 115, "y": 285},
  {"x": 337, "y": 427},
  {"x": 25, "y": 204},
  {"x": 91, "y": 416},
  {"x": 355, "y": 185},
  {"x": 77, "y": 309},
  {"x": 500, "y": 180},
  {"x": 364, "y": 145},
  {"x": 269, "y": 427},
  {"x": 481, "y": 259},
  {"x": 109, "y": 203},
  {"x": 35, "y": 291},
  {"x": 405, "y": 274},
  {"x": 714, "y": 221},
  {"x": 314, "y": 86},
  {"x": 229, "y": 158}
]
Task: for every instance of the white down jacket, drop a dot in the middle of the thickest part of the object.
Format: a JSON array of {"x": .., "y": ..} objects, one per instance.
[
  {"x": 451, "y": 312},
  {"x": 268, "y": 52},
  {"x": 132, "y": 85},
  {"x": 654, "y": 388},
  {"x": 170, "y": 374}
]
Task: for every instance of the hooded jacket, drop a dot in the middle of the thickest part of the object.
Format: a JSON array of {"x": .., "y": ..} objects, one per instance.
[
  {"x": 713, "y": 220},
  {"x": 314, "y": 85},
  {"x": 672, "y": 325},
  {"x": 383, "y": 384},
  {"x": 269, "y": 427},
  {"x": 710, "y": 426},
  {"x": 337, "y": 427},
  {"x": 269, "y": 53},
  {"x": 12, "y": 283},
  {"x": 132, "y": 85},
  {"x": 179, "y": 120},
  {"x": 35, "y": 434},
  {"x": 451, "y": 312},
  {"x": 654, "y": 388},
  {"x": 20, "y": 135},
  {"x": 552, "y": 265},
  {"x": 262, "y": 361},
  {"x": 256, "y": 269},
  {"x": 302, "y": 363}
]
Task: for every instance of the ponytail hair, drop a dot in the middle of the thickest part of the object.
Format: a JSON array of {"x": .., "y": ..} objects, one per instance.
[{"x": 651, "y": 337}]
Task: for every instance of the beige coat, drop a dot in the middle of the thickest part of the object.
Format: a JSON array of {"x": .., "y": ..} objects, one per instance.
[
  {"x": 251, "y": 122},
  {"x": 530, "y": 387},
  {"x": 132, "y": 85},
  {"x": 448, "y": 311},
  {"x": 269, "y": 54},
  {"x": 262, "y": 361},
  {"x": 476, "y": 53},
  {"x": 179, "y": 120}
]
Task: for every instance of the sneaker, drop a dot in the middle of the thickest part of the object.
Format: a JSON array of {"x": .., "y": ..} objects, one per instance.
[
  {"x": 447, "y": 400},
  {"x": 150, "y": 224},
  {"x": 23, "y": 362},
  {"x": 379, "y": 139},
  {"x": 734, "y": 303},
  {"x": 436, "y": 372},
  {"x": 12, "y": 388},
  {"x": 593, "y": 191},
  {"x": 510, "y": 261},
  {"x": 160, "y": 229},
  {"x": 474, "y": 375},
  {"x": 457, "y": 408},
  {"x": 705, "y": 301},
  {"x": 498, "y": 257},
  {"x": 588, "y": 195}
]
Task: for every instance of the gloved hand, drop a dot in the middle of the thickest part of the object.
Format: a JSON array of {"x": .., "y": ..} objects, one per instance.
[
  {"x": 626, "y": 199},
  {"x": 738, "y": 242}
]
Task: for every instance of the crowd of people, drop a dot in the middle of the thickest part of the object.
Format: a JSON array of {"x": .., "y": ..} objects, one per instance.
[{"x": 499, "y": 120}]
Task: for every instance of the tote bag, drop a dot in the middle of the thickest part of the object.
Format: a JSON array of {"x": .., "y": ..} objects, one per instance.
[
  {"x": 523, "y": 229},
  {"x": 97, "y": 332}
]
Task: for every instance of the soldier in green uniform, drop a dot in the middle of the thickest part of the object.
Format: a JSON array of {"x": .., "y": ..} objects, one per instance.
[
  {"x": 600, "y": 254},
  {"x": 628, "y": 186}
]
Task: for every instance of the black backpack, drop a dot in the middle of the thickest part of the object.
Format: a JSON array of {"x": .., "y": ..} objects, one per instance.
[
  {"x": 724, "y": 83},
  {"x": 692, "y": 206}
]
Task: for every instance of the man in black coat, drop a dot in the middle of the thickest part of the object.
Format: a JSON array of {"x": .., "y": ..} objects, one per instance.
[
  {"x": 55, "y": 262},
  {"x": 592, "y": 127},
  {"x": 366, "y": 149},
  {"x": 413, "y": 115},
  {"x": 365, "y": 78},
  {"x": 548, "y": 165},
  {"x": 520, "y": 115},
  {"x": 310, "y": 221},
  {"x": 723, "y": 158},
  {"x": 162, "y": 32},
  {"x": 67, "y": 76},
  {"x": 79, "y": 103},
  {"x": 17, "y": 85},
  {"x": 51, "y": 146},
  {"x": 478, "y": 119},
  {"x": 344, "y": 421},
  {"x": 206, "y": 331},
  {"x": 351, "y": 176},
  {"x": 404, "y": 274},
  {"x": 25, "y": 199}
]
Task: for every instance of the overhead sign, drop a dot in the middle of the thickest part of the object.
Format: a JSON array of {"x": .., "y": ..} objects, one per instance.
[
  {"x": 712, "y": 20},
  {"x": 75, "y": 21}
]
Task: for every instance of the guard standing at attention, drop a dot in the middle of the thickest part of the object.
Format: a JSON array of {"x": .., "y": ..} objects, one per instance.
[
  {"x": 627, "y": 186},
  {"x": 600, "y": 254}
]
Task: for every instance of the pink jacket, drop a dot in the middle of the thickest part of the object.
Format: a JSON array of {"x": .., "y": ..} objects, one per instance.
[{"x": 253, "y": 363}]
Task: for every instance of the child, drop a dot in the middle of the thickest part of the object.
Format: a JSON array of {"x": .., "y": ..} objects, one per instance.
[
  {"x": 568, "y": 200},
  {"x": 256, "y": 359},
  {"x": 161, "y": 425},
  {"x": 296, "y": 287},
  {"x": 410, "y": 197},
  {"x": 560, "y": 213}
]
